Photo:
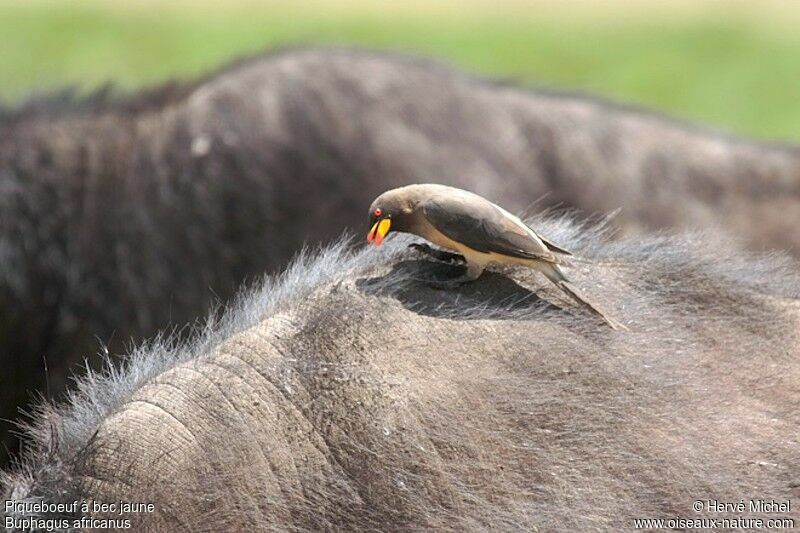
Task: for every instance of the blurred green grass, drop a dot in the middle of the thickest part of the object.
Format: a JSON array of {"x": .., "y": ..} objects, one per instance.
[{"x": 723, "y": 71}]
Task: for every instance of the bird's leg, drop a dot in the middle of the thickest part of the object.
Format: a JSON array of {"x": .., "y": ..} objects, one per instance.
[
  {"x": 474, "y": 270},
  {"x": 439, "y": 255}
]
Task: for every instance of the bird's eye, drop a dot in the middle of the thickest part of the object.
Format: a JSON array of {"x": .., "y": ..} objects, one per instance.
[{"x": 378, "y": 212}]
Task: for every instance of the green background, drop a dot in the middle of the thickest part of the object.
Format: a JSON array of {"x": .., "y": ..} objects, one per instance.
[{"x": 733, "y": 65}]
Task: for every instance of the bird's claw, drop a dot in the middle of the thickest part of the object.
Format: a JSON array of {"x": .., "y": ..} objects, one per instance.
[{"x": 440, "y": 255}]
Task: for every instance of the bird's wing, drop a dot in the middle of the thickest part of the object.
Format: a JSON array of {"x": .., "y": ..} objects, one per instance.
[
  {"x": 482, "y": 226},
  {"x": 554, "y": 247}
]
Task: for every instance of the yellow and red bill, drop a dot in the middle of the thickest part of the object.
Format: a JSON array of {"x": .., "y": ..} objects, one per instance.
[{"x": 379, "y": 231}]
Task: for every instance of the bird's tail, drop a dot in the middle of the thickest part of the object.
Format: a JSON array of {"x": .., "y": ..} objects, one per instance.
[{"x": 558, "y": 278}]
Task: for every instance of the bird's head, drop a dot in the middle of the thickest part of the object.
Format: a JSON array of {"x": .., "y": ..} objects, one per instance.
[
  {"x": 380, "y": 224},
  {"x": 387, "y": 212}
]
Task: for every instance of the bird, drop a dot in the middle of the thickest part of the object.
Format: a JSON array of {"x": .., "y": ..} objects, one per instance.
[{"x": 480, "y": 231}]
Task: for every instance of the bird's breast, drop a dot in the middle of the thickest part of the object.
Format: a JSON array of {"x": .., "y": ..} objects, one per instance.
[{"x": 428, "y": 232}]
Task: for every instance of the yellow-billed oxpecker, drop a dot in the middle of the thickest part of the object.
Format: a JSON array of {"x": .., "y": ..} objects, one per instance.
[{"x": 482, "y": 232}]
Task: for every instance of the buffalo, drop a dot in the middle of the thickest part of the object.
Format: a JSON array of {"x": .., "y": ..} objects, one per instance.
[
  {"x": 120, "y": 217},
  {"x": 348, "y": 394}
]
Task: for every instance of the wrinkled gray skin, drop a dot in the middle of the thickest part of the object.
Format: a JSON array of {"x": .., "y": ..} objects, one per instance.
[
  {"x": 346, "y": 395},
  {"x": 118, "y": 219}
]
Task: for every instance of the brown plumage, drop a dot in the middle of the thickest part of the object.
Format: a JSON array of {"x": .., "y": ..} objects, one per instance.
[{"x": 478, "y": 229}]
